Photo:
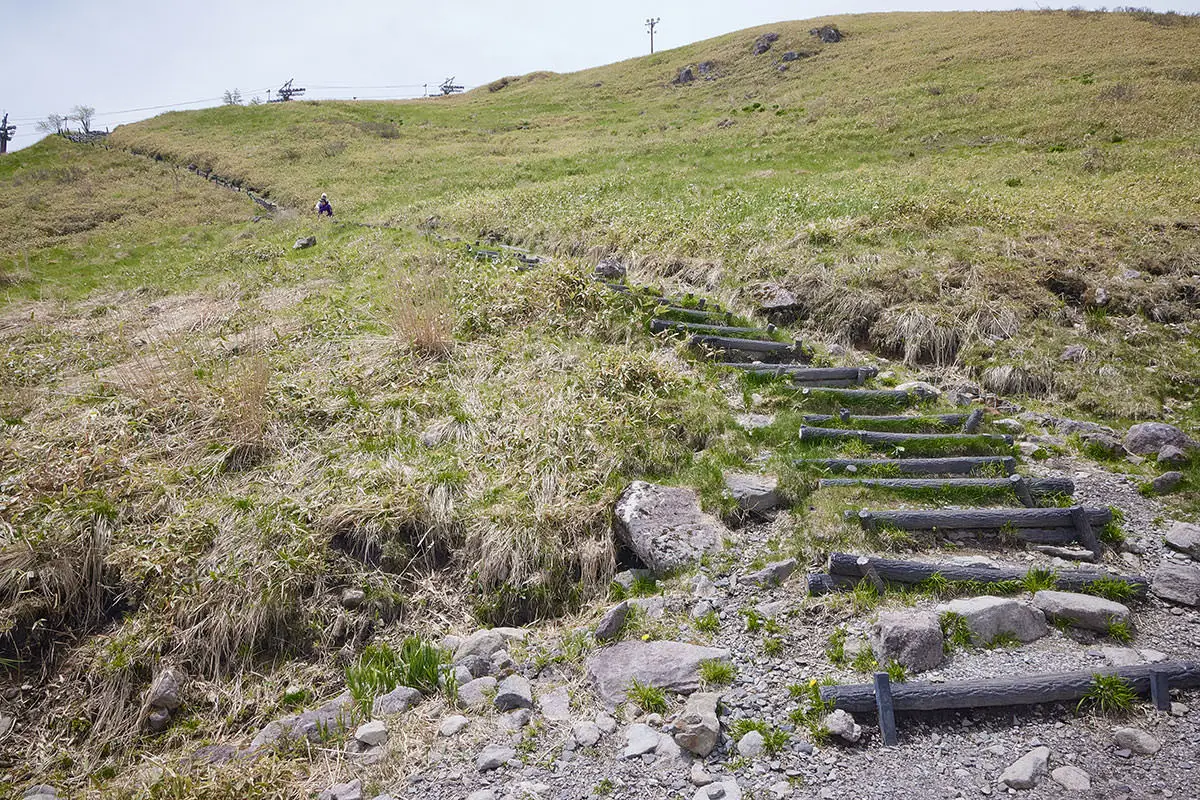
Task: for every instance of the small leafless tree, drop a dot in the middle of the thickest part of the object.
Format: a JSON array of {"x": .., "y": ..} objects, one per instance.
[
  {"x": 84, "y": 116},
  {"x": 255, "y": 101},
  {"x": 233, "y": 98},
  {"x": 53, "y": 123}
]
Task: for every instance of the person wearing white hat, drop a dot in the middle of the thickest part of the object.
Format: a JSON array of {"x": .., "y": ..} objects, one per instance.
[{"x": 324, "y": 207}]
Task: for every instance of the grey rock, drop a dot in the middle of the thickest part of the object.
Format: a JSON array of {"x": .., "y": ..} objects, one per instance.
[
  {"x": 1185, "y": 537},
  {"x": 474, "y": 694},
  {"x": 697, "y": 728},
  {"x": 702, "y": 586},
  {"x": 1167, "y": 482},
  {"x": 649, "y": 607},
  {"x": 555, "y": 705},
  {"x": 502, "y": 661},
  {"x": 912, "y": 638},
  {"x": 1009, "y": 425},
  {"x": 726, "y": 789},
  {"x": 514, "y": 692},
  {"x": 1121, "y": 656},
  {"x": 1081, "y": 610},
  {"x": 771, "y": 298},
  {"x": 1137, "y": 741},
  {"x": 1074, "y": 352},
  {"x": 686, "y": 75},
  {"x": 668, "y": 753},
  {"x": 493, "y": 757},
  {"x": 305, "y": 242},
  {"x": 753, "y": 422},
  {"x": 482, "y": 794},
  {"x": 476, "y": 666},
  {"x": 611, "y": 623},
  {"x": 770, "y": 575},
  {"x": 763, "y": 43},
  {"x": 485, "y": 642},
  {"x": 314, "y": 725},
  {"x": 751, "y": 745},
  {"x": 790, "y": 55},
  {"x": 828, "y": 34},
  {"x": 462, "y": 675},
  {"x": 674, "y": 666},
  {"x": 586, "y": 734},
  {"x": 626, "y": 578},
  {"x": 41, "y": 789},
  {"x": 1073, "y": 779},
  {"x": 754, "y": 494},
  {"x": 1106, "y": 443},
  {"x": 1179, "y": 583},
  {"x": 158, "y": 720},
  {"x": 353, "y": 598},
  {"x": 639, "y": 738},
  {"x": 611, "y": 269},
  {"x": 515, "y": 720},
  {"x": 371, "y": 733},
  {"x": 1028, "y": 770},
  {"x": 987, "y": 617},
  {"x": 920, "y": 388},
  {"x": 665, "y": 526},
  {"x": 397, "y": 701},
  {"x": 842, "y": 725},
  {"x": 606, "y": 724},
  {"x": 450, "y": 642},
  {"x": 698, "y": 776},
  {"x": 165, "y": 691},
  {"x": 452, "y": 724},
  {"x": 1172, "y": 456},
  {"x": 343, "y": 791},
  {"x": 7, "y": 723},
  {"x": 1146, "y": 438}
]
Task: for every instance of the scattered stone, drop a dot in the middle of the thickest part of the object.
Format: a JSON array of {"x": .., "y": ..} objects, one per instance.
[
  {"x": 353, "y": 598},
  {"x": 485, "y": 642},
  {"x": 751, "y": 745},
  {"x": 606, "y": 724},
  {"x": 1185, "y": 537},
  {"x": 462, "y": 675},
  {"x": 1073, "y": 779},
  {"x": 1177, "y": 582},
  {"x": 770, "y": 575},
  {"x": 515, "y": 720},
  {"x": 314, "y": 725},
  {"x": 474, "y": 694},
  {"x": 829, "y": 34},
  {"x": 502, "y": 661},
  {"x": 1121, "y": 656},
  {"x": 698, "y": 776},
  {"x": 305, "y": 242},
  {"x": 397, "y": 701},
  {"x": 1081, "y": 610},
  {"x": 556, "y": 705},
  {"x": 674, "y": 666},
  {"x": 639, "y": 738},
  {"x": 1074, "y": 352},
  {"x": 1172, "y": 456},
  {"x": 1166, "y": 483},
  {"x": 754, "y": 494},
  {"x": 1137, "y": 741},
  {"x": 493, "y": 757},
  {"x": 789, "y": 56},
  {"x": 987, "y": 617},
  {"x": 668, "y": 752},
  {"x": 697, "y": 728},
  {"x": 753, "y": 422},
  {"x": 763, "y": 43},
  {"x": 1179, "y": 710},
  {"x": 7, "y": 723},
  {"x": 842, "y": 725},
  {"x": 649, "y": 607},
  {"x": 40, "y": 790},
  {"x": 372, "y": 733},
  {"x": 482, "y": 794},
  {"x": 343, "y": 791},
  {"x": 702, "y": 586},
  {"x": 1028, "y": 770},
  {"x": 586, "y": 734},
  {"x": 626, "y": 578},
  {"x": 514, "y": 692},
  {"x": 912, "y": 638},
  {"x": 165, "y": 691},
  {"x": 685, "y": 76},
  {"x": 920, "y": 388},
  {"x": 611, "y": 623},
  {"x": 611, "y": 269},
  {"x": 1009, "y": 425},
  {"x": 452, "y": 724},
  {"x": 727, "y": 789},
  {"x": 665, "y": 526},
  {"x": 158, "y": 720},
  {"x": 1146, "y": 438}
]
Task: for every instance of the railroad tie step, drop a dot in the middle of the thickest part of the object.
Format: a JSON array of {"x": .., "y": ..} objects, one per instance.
[
  {"x": 1057, "y": 526},
  {"x": 894, "y": 437},
  {"x": 674, "y": 326},
  {"x": 954, "y": 465},
  {"x": 729, "y": 343},
  {"x": 846, "y": 418},
  {"x": 1027, "y": 491}
]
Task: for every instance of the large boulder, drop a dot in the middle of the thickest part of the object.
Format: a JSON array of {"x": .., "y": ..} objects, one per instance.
[
  {"x": 988, "y": 617},
  {"x": 912, "y": 638},
  {"x": 1146, "y": 438},
  {"x": 1081, "y": 610},
  {"x": 773, "y": 299},
  {"x": 1179, "y": 583},
  {"x": 484, "y": 643},
  {"x": 1185, "y": 537},
  {"x": 697, "y": 728},
  {"x": 674, "y": 666},
  {"x": 665, "y": 526},
  {"x": 754, "y": 494}
]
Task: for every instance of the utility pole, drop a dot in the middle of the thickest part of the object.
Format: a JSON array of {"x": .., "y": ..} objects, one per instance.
[
  {"x": 6, "y": 133},
  {"x": 650, "y": 25}
]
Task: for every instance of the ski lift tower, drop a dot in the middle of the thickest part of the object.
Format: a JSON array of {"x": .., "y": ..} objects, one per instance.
[
  {"x": 6, "y": 133},
  {"x": 287, "y": 92},
  {"x": 450, "y": 87}
]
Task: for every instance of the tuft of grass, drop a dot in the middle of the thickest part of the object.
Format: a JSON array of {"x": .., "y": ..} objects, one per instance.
[
  {"x": 1110, "y": 695},
  {"x": 649, "y": 699},
  {"x": 772, "y": 645},
  {"x": 1119, "y": 631},
  {"x": 380, "y": 669},
  {"x": 709, "y": 623},
  {"x": 864, "y": 661},
  {"x": 1003, "y": 639},
  {"x": 774, "y": 739},
  {"x": 1110, "y": 588},
  {"x": 864, "y": 597},
  {"x": 897, "y": 672},
  {"x": 422, "y": 314},
  {"x": 714, "y": 672},
  {"x": 955, "y": 632},
  {"x": 1037, "y": 579},
  {"x": 835, "y": 649}
]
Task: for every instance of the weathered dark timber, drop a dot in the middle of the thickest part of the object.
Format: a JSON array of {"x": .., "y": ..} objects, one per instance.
[
  {"x": 1039, "y": 486},
  {"x": 720, "y": 317},
  {"x": 957, "y": 465},
  {"x": 1020, "y": 691},
  {"x": 983, "y": 518},
  {"x": 745, "y": 345},
  {"x": 674, "y": 326},
  {"x": 885, "y": 709},
  {"x": 896, "y": 437},
  {"x": 1084, "y": 531},
  {"x": 801, "y": 371},
  {"x": 823, "y": 383},
  {"x": 898, "y": 395},
  {"x": 949, "y": 420},
  {"x": 898, "y": 571}
]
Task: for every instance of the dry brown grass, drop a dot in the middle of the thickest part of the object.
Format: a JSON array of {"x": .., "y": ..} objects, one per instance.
[{"x": 422, "y": 313}]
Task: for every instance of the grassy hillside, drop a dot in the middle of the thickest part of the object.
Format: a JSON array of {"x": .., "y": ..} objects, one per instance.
[{"x": 208, "y": 435}]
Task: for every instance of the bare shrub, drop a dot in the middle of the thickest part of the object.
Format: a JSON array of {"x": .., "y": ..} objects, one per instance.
[
  {"x": 1014, "y": 380},
  {"x": 1093, "y": 160},
  {"x": 1117, "y": 93},
  {"x": 502, "y": 83},
  {"x": 422, "y": 314},
  {"x": 920, "y": 335},
  {"x": 247, "y": 414}
]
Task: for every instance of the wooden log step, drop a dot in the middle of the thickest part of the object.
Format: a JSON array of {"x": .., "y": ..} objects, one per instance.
[
  {"x": 745, "y": 345},
  {"x": 1031, "y": 519},
  {"x": 821, "y": 420},
  {"x": 955, "y": 465},
  {"x": 1009, "y": 691},
  {"x": 898, "y": 571},
  {"x": 896, "y": 437},
  {"x": 719, "y": 317},
  {"x": 804, "y": 372},
  {"x": 665, "y": 325},
  {"x": 663, "y": 299},
  {"x": 1038, "y": 486},
  {"x": 894, "y": 395}
]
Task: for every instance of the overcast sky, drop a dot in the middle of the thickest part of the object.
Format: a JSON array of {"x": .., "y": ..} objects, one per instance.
[{"x": 124, "y": 57}]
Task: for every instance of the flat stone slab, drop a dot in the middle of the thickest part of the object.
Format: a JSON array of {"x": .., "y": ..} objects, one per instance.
[
  {"x": 1185, "y": 538},
  {"x": 1081, "y": 610},
  {"x": 1179, "y": 583},
  {"x": 665, "y": 526},
  {"x": 988, "y": 617},
  {"x": 673, "y": 666},
  {"x": 756, "y": 494}
]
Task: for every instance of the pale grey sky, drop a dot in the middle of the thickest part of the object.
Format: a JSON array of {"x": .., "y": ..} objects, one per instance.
[{"x": 125, "y": 57}]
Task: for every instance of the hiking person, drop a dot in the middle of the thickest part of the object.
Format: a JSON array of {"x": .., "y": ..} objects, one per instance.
[{"x": 324, "y": 207}]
